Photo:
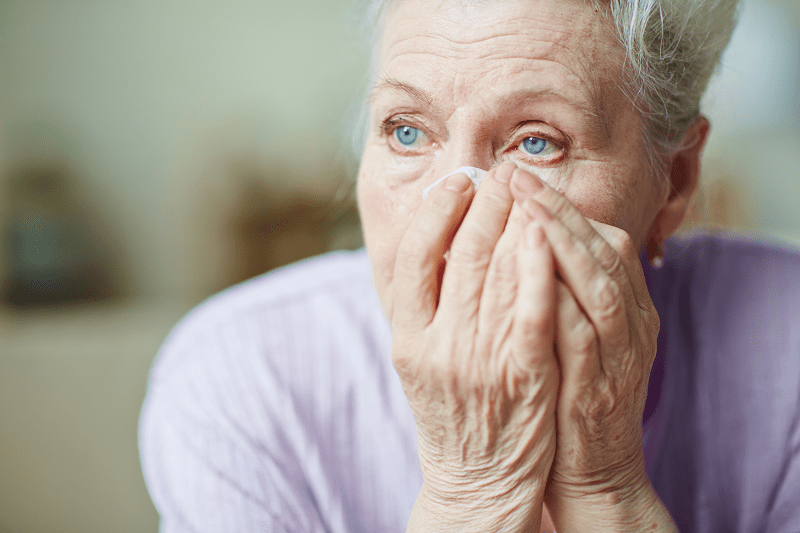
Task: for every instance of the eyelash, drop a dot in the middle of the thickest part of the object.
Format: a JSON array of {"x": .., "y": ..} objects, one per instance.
[{"x": 389, "y": 125}]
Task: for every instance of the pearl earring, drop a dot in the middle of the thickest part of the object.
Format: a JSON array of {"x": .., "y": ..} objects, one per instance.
[{"x": 657, "y": 254}]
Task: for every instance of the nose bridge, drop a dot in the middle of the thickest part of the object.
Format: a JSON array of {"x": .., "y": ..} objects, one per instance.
[{"x": 467, "y": 146}]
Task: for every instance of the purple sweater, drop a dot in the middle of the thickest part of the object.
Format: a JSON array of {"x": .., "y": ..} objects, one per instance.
[{"x": 273, "y": 406}]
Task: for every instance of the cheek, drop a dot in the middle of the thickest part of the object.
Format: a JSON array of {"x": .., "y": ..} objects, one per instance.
[
  {"x": 385, "y": 215},
  {"x": 596, "y": 204},
  {"x": 384, "y": 212},
  {"x": 627, "y": 205}
]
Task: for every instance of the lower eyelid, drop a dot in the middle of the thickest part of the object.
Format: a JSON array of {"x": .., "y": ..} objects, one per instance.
[
  {"x": 548, "y": 159},
  {"x": 552, "y": 151}
]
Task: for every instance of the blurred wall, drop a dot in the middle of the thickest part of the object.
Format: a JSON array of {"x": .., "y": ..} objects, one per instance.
[
  {"x": 177, "y": 125},
  {"x": 150, "y": 102},
  {"x": 753, "y": 154}
]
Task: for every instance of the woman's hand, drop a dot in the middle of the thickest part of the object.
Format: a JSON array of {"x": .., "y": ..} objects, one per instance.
[
  {"x": 473, "y": 342},
  {"x": 606, "y": 336}
]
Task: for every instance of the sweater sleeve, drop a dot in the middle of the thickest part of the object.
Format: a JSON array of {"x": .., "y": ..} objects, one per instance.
[{"x": 217, "y": 455}]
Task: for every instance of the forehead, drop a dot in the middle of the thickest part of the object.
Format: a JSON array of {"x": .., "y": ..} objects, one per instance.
[{"x": 457, "y": 49}]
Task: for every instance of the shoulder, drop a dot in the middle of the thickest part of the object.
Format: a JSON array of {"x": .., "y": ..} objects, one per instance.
[
  {"x": 269, "y": 350},
  {"x": 223, "y": 428},
  {"x": 329, "y": 277},
  {"x": 275, "y": 313},
  {"x": 729, "y": 306},
  {"x": 732, "y": 295},
  {"x": 239, "y": 390},
  {"x": 729, "y": 273},
  {"x": 735, "y": 254}
]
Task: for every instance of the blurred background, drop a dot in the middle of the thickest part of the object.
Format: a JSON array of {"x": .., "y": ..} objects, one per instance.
[{"x": 153, "y": 153}]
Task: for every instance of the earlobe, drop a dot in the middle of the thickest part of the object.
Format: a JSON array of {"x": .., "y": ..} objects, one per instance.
[{"x": 684, "y": 176}]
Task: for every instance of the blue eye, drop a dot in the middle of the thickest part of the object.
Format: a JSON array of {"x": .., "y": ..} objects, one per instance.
[
  {"x": 406, "y": 135},
  {"x": 536, "y": 146}
]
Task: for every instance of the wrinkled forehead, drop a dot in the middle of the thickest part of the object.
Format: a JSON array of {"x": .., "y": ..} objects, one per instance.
[{"x": 567, "y": 45}]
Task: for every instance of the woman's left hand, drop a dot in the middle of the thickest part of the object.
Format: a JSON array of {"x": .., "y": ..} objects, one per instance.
[{"x": 606, "y": 331}]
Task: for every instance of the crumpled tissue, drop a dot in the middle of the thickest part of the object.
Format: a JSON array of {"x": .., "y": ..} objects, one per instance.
[{"x": 474, "y": 174}]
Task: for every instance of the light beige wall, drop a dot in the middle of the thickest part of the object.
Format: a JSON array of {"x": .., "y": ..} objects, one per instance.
[
  {"x": 754, "y": 107},
  {"x": 145, "y": 99}
]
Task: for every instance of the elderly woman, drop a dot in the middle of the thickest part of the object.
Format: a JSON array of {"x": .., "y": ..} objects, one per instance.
[{"x": 486, "y": 364}]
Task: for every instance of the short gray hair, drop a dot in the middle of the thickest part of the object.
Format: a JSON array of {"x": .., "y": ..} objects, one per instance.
[{"x": 672, "y": 48}]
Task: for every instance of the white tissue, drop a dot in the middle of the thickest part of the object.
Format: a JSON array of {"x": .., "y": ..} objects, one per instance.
[{"x": 474, "y": 174}]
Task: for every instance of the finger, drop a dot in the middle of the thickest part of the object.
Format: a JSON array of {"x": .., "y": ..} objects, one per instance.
[
  {"x": 596, "y": 292},
  {"x": 576, "y": 344},
  {"x": 420, "y": 254},
  {"x": 525, "y": 185},
  {"x": 621, "y": 241},
  {"x": 535, "y": 305},
  {"x": 474, "y": 243},
  {"x": 500, "y": 286}
]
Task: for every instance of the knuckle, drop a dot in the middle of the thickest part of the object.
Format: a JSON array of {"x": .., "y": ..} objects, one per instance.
[
  {"x": 411, "y": 254},
  {"x": 403, "y": 361},
  {"x": 569, "y": 244},
  {"x": 608, "y": 257},
  {"x": 622, "y": 242},
  {"x": 610, "y": 249},
  {"x": 595, "y": 407},
  {"x": 439, "y": 366},
  {"x": 503, "y": 270},
  {"x": 534, "y": 319},
  {"x": 468, "y": 254},
  {"x": 608, "y": 299},
  {"x": 495, "y": 195},
  {"x": 439, "y": 209},
  {"x": 558, "y": 205},
  {"x": 625, "y": 243},
  {"x": 470, "y": 246},
  {"x": 615, "y": 265},
  {"x": 439, "y": 202},
  {"x": 582, "y": 338}
]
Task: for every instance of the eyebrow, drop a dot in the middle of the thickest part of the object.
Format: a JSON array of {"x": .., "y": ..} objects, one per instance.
[
  {"x": 390, "y": 83},
  {"x": 513, "y": 99}
]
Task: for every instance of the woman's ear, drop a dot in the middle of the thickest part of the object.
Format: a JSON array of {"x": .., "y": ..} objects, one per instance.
[{"x": 684, "y": 175}]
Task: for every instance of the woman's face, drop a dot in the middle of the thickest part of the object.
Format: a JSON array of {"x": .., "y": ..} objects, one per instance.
[{"x": 536, "y": 82}]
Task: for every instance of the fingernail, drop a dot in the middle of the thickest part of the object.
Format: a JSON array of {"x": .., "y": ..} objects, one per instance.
[
  {"x": 536, "y": 210},
  {"x": 504, "y": 172},
  {"x": 535, "y": 236},
  {"x": 526, "y": 182},
  {"x": 458, "y": 183}
]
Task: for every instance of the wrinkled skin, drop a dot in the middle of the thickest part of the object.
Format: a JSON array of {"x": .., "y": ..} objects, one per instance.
[{"x": 525, "y": 354}]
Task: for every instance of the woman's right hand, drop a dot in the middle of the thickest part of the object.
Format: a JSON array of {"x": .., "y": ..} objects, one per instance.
[{"x": 473, "y": 346}]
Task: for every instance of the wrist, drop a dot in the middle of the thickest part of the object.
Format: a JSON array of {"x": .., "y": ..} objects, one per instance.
[
  {"x": 634, "y": 509},
  {"x": 488, "y": 509}
]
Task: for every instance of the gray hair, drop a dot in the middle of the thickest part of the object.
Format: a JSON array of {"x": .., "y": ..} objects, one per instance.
[{"x": 672, "y": 48}]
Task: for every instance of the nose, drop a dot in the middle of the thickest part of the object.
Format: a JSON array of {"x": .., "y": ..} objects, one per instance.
[{"x": 466, "y": 149}]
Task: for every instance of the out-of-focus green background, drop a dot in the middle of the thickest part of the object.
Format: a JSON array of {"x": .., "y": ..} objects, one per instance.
[{"x": 153, "y": 153}]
